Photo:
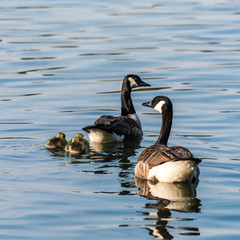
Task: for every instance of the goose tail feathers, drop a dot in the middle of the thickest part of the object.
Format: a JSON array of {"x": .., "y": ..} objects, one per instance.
[{"x": 91, "y": 127}]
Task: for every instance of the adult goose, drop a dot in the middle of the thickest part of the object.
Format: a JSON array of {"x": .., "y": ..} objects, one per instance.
[
  {"x": 108, "y": 128},
  {"x": 160, "y": 162}
]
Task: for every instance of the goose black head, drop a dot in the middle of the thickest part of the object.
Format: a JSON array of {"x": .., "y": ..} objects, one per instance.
[
  {"x": 135, "y": 81},
  {"x": 159, "y": 103}
]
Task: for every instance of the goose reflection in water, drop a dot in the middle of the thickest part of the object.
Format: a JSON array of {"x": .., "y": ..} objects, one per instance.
[
  {"x": 127, "y": 147},
  {"x": 171, "y": 197}
]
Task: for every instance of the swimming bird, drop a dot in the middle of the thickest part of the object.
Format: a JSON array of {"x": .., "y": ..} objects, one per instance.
[
  {"x": 108, "y": 128},
  {"x": 160, "y": 162},
  {"x": 77, "y": 145},
  {"x": 79, "y": 136},
  {"x": 58, "y": 142},
  {"x": 82, "y": 139}
]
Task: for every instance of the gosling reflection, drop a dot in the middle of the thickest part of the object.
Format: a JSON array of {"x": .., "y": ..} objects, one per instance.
[{"x": 171, "y": 198}]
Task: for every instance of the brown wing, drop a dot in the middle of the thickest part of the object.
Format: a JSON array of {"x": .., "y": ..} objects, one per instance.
[
  {"x": 182, "y": 152},
  {"x": 158, "y": 154},
  {"x": 122, "y": 125}
]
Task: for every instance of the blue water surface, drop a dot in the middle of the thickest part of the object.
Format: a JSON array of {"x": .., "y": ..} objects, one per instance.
[{"x": 61, "y": 67}]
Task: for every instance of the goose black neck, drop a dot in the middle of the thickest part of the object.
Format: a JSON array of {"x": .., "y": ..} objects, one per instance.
[
  {"x": 126, "y": 101},
  {"x": 167, "y": 115}
]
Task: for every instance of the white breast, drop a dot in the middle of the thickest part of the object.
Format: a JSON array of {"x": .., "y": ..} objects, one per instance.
[
  {"x": 98, "y": 135},
  {"x": 173, "y": 171}
]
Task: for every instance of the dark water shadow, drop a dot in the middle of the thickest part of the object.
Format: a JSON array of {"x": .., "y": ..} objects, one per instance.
[{"x": 171, "y": 199}]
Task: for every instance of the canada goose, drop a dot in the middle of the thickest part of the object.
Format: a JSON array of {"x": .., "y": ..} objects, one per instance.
[
  {"x": 108, "y": 128},
  {"x": 77, "y": 145},
  {"x": 160, "y": 162},
  {"x": 58, "y": 142}
]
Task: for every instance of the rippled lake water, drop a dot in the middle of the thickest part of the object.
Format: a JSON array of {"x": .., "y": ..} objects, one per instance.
[{"x": 61, "y": 67}]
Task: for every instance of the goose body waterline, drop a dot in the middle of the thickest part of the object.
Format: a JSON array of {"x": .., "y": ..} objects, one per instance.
[
  {"x": 160, "y": 162},
  {"x": 109, "y": 128}
]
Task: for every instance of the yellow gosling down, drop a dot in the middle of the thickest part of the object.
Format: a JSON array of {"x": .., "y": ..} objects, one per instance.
[
  {"x": 58, "y": 142},
  {"x": 81, "y": 138},
  {"x": 78, "y": 145}
]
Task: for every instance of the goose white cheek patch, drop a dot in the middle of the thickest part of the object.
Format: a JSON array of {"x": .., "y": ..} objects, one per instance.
[
  {"x": 158, "y": 107},
  {"x": 132, "y": 82}
]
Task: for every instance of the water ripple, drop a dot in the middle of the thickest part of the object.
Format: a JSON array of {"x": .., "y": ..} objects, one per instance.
[{"x": 62, "y": 63}]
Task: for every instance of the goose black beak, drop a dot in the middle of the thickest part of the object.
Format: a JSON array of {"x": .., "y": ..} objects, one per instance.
[
  {"x": 142, "y": 83},
  {"x": 147, "y": 104}
]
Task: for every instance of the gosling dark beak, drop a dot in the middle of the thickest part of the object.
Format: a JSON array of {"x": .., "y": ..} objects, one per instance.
[{"x": 147, "y": 104}]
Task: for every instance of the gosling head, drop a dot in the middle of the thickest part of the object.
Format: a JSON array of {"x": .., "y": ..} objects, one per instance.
[
  {"x": 135, "y": 81},
  {"x": 61, "y": 135},
  {"x": 159, "y": 103},
  {"x": 75, "y": 139},
  {"x": 79, "y": 135}
]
